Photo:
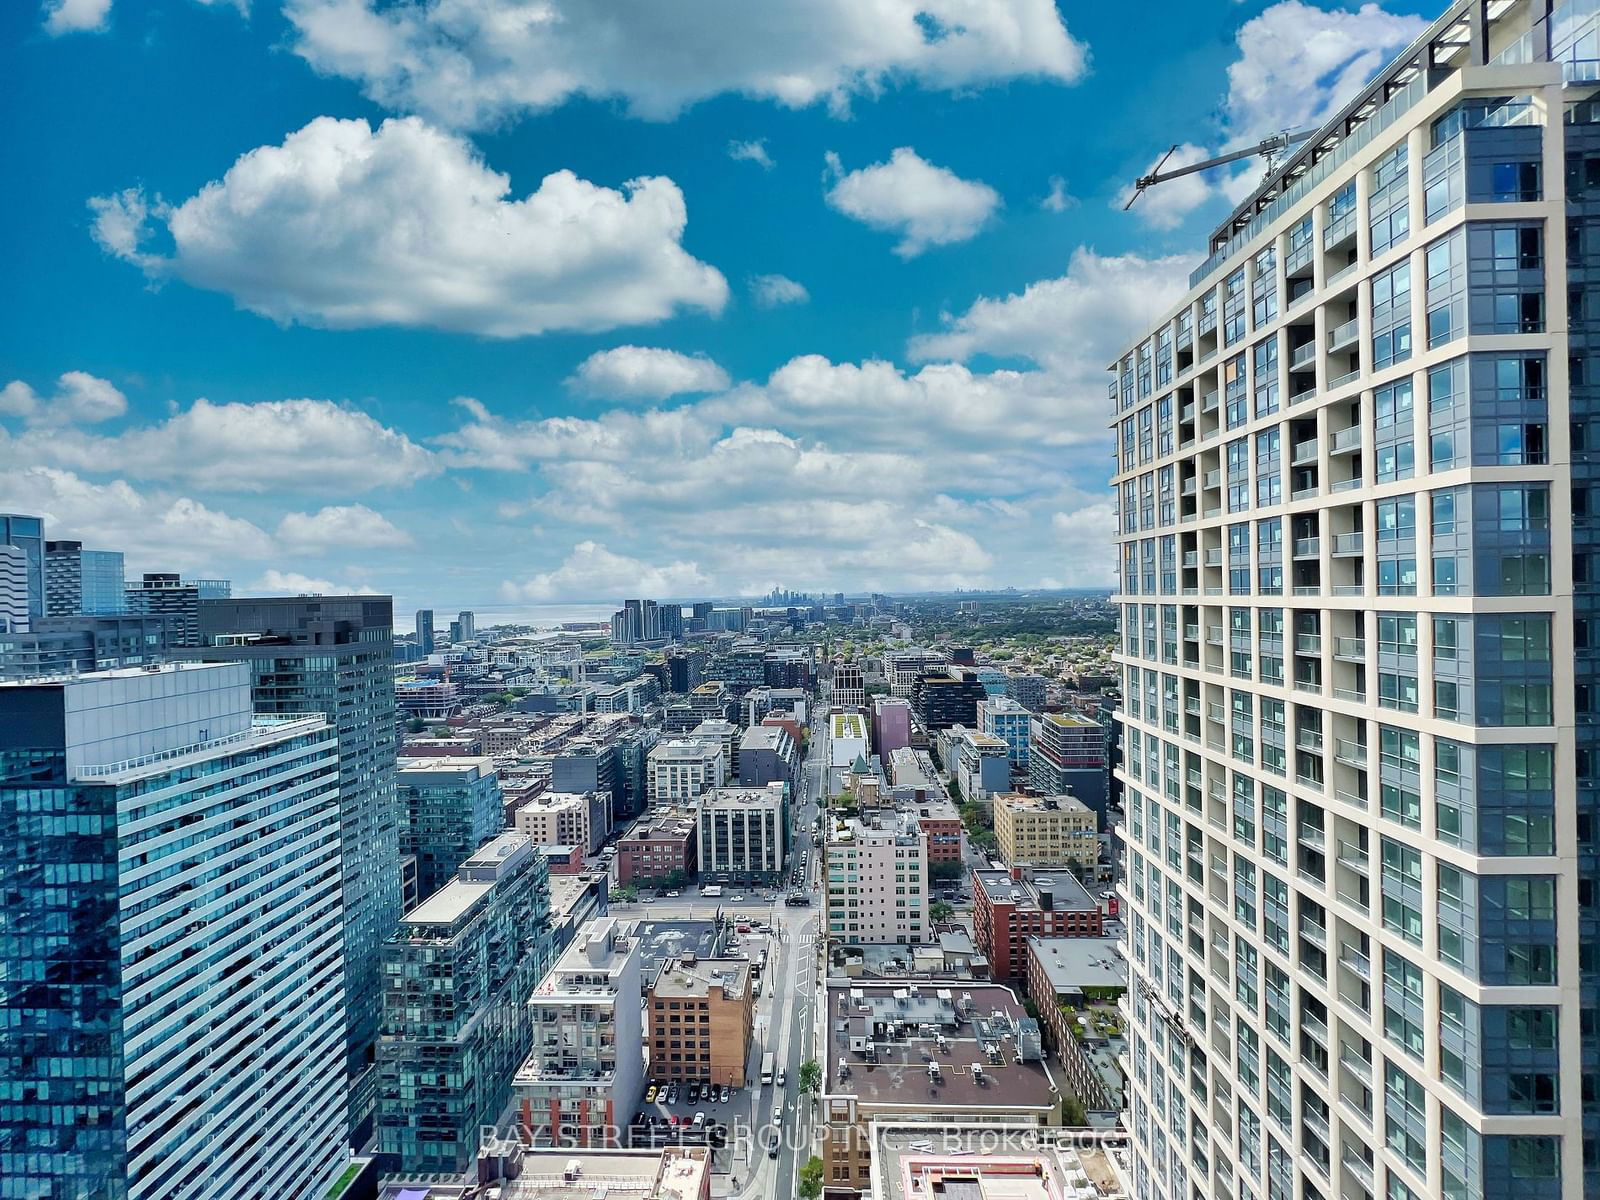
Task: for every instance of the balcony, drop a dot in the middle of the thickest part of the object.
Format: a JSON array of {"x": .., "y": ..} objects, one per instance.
[
  {"x": 1301, "y": 356},
  {"x": 1214, "y": 478},
  {"x": 1353, "y": 695},
  {"x": 1353, "y": 960},
  {"x": 1345, "y": 440},
  {"x": 1309, "y": 739},
  {"x": 1350, "y": 649},
  {"x": 1352, "y": 754},
  {"x": 1341, "y": 276},
  {"x": 1210, "y": 401},
  {"x": 1343, "y": 335},
  {"x": 1347, "y": 485},
  {"x": 1302, "y": 397},
  {"x": 1308, "y": 643},
  {"x": 1214, "y": 635},
  {"x": 1214, "y": 557},
  {"x": 1191, "y": 558},
  {"x": 1188, "y": 488},
  {"x": 1348, "y": 544},
  {"x": 1186, "y": 413},
  {"x": 1307, "y": 547},
  {"x": 1344, "y": 380},
  {"x": 1304, "y": 452},
  {"x": 1305, "y": 493},
  {"x": 1353, "y": 856}
]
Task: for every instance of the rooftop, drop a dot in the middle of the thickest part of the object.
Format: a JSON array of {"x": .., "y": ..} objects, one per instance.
[
  {"x": 997, "y": 1162},
  {"x": 661, "y": 940},
  {"x": 1019, "y": 802},
  {"x": 450, "y": 764},
  {"x": 1072, "y": 963},
  {"x": 925, "y": 1047},
  {"x": 692, "y": 977},
  {"x": 1066, "y": 720},
  {"x": 448, "y": 905},
  {"x": 1062, "y": 889},
  {"x": 674, "y": 1173}
]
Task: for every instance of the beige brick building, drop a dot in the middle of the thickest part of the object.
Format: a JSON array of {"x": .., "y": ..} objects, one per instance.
[{"x": 1048, "y": 831}]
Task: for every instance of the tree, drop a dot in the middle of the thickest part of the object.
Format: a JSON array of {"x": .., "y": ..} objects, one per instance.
[
  {"x": 810, "y": 1076},
  {"x": 416, "y": 725},
  {"x": 625, "y": 893},
  {"x": 811, "y": 1178},
  {"x": 1073, "y": 1114},
  {"x": 940, "y": 911}
]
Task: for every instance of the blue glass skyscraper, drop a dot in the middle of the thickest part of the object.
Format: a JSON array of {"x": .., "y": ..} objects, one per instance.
[
  {"x": 171, "y": 980},
  {"x": 27, "y": 534}
]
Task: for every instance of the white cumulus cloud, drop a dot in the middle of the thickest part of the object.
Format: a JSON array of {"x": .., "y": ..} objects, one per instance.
[
  {"x": 274, "y": 582},
  {"x": 646, "y": 373},
  {"x": 926, "y": 205},
  {"x": 78, "y": 398},
  {"x": 774, "y": 291},
  {"x": 339, "y": 527},
  {"x": 345, "y": 227},
  {"x": 76, "y": 16},
  {"x": 473, "y": 63},
  {"x": 591, "y": 571},
  {"x": 275, "y": 445}
]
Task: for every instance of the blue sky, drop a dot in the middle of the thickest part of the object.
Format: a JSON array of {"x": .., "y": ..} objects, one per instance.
[{"x": 625, "y": 298}]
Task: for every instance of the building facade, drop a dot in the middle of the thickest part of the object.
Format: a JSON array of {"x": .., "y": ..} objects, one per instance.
[
  {"x": 946, "y": 696},
  {"x": 1068, "y": 754},
  {"x": 701, "y": 1016},
  {"x": 741, "y": 834},
  {"x": 457, "y": 974},
  {"x": 680, "y": 770},
  {"x": 159, "y": 594},
  {"x": 1047, "y": 831},
  {"x": 26, "y": 534},
  {"x": 1002, "y": 717},
  {"x": 171, "y": 983},
  {"x": 1009, "y": 907},
  {"x": 1356, "y": 556},
  {"x": 891, "y": 725},
  {"x": 448, "y": 808},
  {"x": 79, "y": 582},
  {"x": 849, "y": 686},
  {"x": 878, "y": 880},
  {"x": 334, "y": 655},
  {"x": 658, "y": 849},
  {"x": 424, "y": 631},
  {"x": 79, "y": 645},
  {"x": 566, "y": 819},
  {"x": 584, "y": 1076}
]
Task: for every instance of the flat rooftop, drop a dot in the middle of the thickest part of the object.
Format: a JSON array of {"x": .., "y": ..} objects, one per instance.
[
  {"x": 680, "y": 979},
  {"x": 1071, "y": 964},
  {"x": 449, "y": 904},
  {"x": 673, "y": 1173},
  {"x": 885, "y": 1038},
  {"x": 661, "y": 940},
  {"x": 1000, "y": 1162},
  {"x": 1066, "y": 893}
]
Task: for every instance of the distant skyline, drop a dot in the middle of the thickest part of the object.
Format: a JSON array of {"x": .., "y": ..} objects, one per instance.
[{"x": 551, "y": 319}]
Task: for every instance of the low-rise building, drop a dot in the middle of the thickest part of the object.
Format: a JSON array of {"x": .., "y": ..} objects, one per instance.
[
  {"x": 701, "y": 1019},
  {"x": 682, "y": 769},
  {"x": 931, "y": 1053},
  {"x": 878, "y": 880},
  {"x": 456, "y": 1025},
  {"x": 512, "y": 1171},
  {"x": 1075, "y": 984},
  {"x": 566, "y": 818},
  {"x": 1047, "y": 831},
  {"x": 741, "y": 834},
  {"x": 767, "y": 754},
  {"x": 449, "y": 806},
  {"x": 584, "y": 1076},
  {"x": 1009, "y": 907},
  {"x": 980, "y": 765},
  {"x": 660, "y": 848},
  {"x": 847, "y": 741}
]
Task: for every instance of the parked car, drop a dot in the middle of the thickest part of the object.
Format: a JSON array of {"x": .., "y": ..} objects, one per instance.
[
  {"x": 694, "y": 1093},
  {"x": 700, "y": 1120},
  {"x": 672, "y": 1094},
  {"x": 726, "y": 1094},
  {"x": 650, "y": 1094}
]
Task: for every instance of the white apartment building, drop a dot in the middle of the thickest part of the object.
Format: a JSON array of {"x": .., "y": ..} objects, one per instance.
[
  {"x": 1002, "y": 717},
  {"x": 583, "y": 1079},
  {"x": 680, "y": 770},
  {"x": 878, "y": 880},
  {"x": 1357, "y": 576},
  {"x": 740, "y": 834}
]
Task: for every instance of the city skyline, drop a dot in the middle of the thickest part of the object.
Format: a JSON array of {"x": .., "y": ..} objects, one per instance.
[{"x": 896, "y": 284}]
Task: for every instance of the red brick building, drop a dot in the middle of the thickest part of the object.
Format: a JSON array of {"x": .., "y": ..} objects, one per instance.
[
  {"x": 658, "y": 846},
  {"x": 1008, "y": 909}
]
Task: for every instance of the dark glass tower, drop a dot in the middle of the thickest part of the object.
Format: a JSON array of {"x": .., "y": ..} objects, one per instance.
[{"x": 335, "y": 655}]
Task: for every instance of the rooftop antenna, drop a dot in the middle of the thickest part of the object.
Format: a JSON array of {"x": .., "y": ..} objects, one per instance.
[{"x": 1268, "y": 148}]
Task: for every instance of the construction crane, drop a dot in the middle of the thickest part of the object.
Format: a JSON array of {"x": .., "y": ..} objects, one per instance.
[{"x": 1267, "y": 148}]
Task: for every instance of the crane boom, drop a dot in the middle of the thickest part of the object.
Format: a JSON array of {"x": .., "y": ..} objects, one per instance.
[{"x": 1267, "y": 147}]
